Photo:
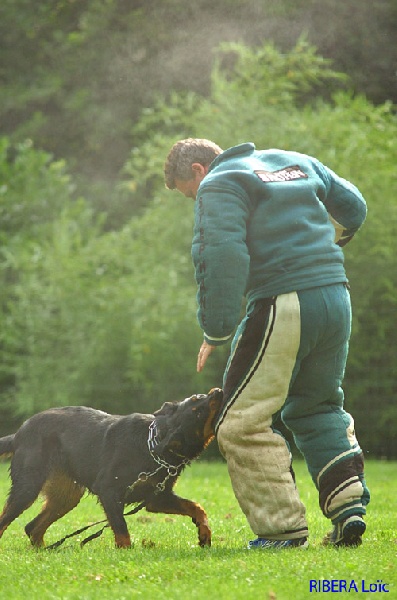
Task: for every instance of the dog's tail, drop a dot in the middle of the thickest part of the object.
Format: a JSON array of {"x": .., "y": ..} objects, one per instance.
[{"x": 7, "y": 445}]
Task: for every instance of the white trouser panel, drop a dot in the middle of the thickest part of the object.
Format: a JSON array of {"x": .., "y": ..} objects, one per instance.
[{"x": 258, "y": 458}]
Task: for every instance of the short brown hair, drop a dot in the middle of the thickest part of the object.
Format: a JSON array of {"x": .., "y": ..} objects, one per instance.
[{"x": 183, "y": 154}]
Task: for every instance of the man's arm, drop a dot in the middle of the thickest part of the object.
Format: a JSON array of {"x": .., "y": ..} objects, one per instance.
[
  {"x": 221, "y": 260},
  {"x": 345, "y": 205}
]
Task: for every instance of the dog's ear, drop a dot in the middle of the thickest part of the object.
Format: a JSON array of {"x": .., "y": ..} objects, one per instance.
[
  {"x": 172, "y": 442},
  {"x": 167, "y": 410},
  {"x": 164, "y": 422}
]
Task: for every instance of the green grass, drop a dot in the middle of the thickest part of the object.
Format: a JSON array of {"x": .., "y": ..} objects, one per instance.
[{"x": 166, "y": 563}]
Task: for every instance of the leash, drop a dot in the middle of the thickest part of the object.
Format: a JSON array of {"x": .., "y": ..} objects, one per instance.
[
  {"x": 172, "y": 471},
  {"x": 94, "y": 535}
]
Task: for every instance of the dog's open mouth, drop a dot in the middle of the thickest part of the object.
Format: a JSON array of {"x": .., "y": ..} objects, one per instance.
[
  {"x": 215, "y": 403},
  {"x": 215, "y": 400}
]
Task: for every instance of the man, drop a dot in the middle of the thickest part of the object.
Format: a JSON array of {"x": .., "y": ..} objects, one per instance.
[{"x": 269, "y": 225}]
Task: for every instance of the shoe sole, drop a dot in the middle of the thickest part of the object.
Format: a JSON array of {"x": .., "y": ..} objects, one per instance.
[{"x": 352, "y": 533}]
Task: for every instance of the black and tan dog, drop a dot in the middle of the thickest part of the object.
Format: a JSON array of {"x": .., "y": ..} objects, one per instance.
[{"x": 61, "y": 452}]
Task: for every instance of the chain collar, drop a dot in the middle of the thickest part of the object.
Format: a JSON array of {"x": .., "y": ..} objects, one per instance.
[{"x": 172, "y": 470}]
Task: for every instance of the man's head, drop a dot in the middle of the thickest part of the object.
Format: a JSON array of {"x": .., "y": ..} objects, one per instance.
[{"x": 187, "y": 164}]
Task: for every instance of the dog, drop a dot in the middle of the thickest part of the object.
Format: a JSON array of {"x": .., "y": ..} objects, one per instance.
[{"x": 123, "y": 460}]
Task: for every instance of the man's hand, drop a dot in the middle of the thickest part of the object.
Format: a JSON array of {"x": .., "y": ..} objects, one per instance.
[{"x": 203, "y": 354}]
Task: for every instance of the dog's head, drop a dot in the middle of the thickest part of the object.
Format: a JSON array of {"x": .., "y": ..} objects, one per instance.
[{"x": 185, "y": 428}]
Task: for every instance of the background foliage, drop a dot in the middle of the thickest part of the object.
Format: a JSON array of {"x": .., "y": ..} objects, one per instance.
[
  {"x": 76, "y": 74},
  {"x": 97, "y": 302}
]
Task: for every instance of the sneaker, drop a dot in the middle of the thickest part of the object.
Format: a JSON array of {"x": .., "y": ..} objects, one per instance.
[
  {"x": 346, "y": 533},
  {"x": 278, "y": 544}
]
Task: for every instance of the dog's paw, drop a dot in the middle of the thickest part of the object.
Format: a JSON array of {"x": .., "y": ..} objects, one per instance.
[
  {"x": 122, "y": 541},
  {"x": 204, "y": 536}
]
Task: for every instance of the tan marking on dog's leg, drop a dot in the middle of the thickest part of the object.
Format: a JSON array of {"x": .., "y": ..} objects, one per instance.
[
  {"x": 8, "y": 515},
  {"x": 181, "y": 506},
  {"x": 122, "y": 541},
  {"x": 3, "y": 517},
  {"x": 62, "y": 495},
  {"x": 2, "y": 530}
]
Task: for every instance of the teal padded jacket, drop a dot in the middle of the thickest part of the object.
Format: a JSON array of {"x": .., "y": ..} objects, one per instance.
[{"x": 265, "y": 224}]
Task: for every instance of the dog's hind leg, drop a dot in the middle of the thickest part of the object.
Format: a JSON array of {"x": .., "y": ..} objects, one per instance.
[
  {"x": 14, "y": 506},
  {"x": 170, "y": 503},
  {"x": 61, "y": 496},
  {"x": 26, "y": 486}
]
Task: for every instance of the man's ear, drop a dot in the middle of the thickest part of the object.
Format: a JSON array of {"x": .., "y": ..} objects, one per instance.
[{"x": 199, "y": 170}]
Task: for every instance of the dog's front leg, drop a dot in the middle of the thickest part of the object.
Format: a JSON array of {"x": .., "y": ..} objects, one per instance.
[
  {"x": 170, "y": 503},
  {"x": 114, "y": 507}
]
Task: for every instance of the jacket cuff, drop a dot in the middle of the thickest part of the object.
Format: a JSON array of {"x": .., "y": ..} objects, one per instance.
[
  {"x": 212, "y": 341},
  {"x": 344, "y": 240}
]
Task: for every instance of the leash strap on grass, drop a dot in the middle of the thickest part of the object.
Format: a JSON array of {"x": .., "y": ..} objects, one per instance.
[
  {"x": 94, "y": 535},
  {"x": 77, "y": 532}
]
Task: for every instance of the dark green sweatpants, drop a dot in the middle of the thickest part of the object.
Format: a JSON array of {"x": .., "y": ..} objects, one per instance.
[{"x": 289, "y": 355}]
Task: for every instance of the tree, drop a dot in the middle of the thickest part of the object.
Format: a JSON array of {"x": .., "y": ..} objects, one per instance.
[
  {"x": 76, "y": 75},
  {"x": 88, "y": 317},
  {"x": 35, "y": 199}
]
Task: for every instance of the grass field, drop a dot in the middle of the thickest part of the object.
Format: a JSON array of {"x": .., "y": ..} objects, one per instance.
[{"x": 166, "y": 563}]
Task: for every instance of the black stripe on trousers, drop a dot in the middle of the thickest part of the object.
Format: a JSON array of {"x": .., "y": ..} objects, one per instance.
[
  {"x": 333, "y": 479},
  {"x": 249, "y": 353}
]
